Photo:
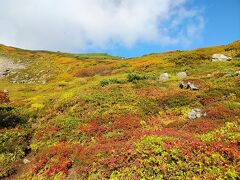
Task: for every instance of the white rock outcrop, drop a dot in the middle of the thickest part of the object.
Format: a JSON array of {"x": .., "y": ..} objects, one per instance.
[
  {"x": 220, "y": 57},
  {"x": 7, "y": 66}
]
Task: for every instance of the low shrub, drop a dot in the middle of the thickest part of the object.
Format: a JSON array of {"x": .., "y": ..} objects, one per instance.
[
  {"x": 135, "y": 77},
  {"x": 67, "y": 122},
  {"x": 170, "y": 158},
  {"x": 201, "y": 126},
  {"x": 188, "y": 57},
  {"x": 176, "y": 101},
  {"x": 219, "y": 112},
  {"x": 149, "y": 106},
  {"x": 221, "y": 92},
  {"x": 106, "y": 82},
  {"x": 117, "y": 81},
  {"x": 10, "y": 118},
  {"x": 102, "y": 70},
  {"x": 56, "y": 159},
  {"x": 4, "y": 97},
  {"x": 13, "y": 146}
]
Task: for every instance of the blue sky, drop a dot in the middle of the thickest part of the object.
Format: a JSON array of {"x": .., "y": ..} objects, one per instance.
[
  {"x": 124, "y": 28},
  {"x": 222, "y": 26}
]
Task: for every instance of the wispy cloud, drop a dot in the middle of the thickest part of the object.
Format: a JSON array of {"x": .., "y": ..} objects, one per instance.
[{"x": 68, "y": 25}]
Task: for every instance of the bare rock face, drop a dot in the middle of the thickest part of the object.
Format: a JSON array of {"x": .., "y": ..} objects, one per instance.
[
  {"x": 7, "y": 66},
  {"x": 164, "y": 77},
  {"x": 220, "y": 57}
]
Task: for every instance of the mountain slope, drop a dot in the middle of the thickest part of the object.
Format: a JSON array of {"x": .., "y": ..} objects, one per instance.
[{"x": 97, "y": 116}]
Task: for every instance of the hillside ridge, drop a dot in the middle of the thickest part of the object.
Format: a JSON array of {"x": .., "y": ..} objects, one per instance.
[{"x": 171, "y": 115}]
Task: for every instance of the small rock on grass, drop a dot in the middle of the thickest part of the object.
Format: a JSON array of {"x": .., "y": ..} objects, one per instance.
[
  {"x": 195, "y": 114},
  {"x": 181, "y": 75},
  {"x": 237, "y": 73},
  {"x": 188, "y": 85},
  {"x": 164, "y": 77},
  {"x": 26, "y": 161}
]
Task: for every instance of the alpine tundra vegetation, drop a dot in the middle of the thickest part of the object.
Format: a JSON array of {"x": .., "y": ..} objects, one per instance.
[{"x": 96, "y": 116}]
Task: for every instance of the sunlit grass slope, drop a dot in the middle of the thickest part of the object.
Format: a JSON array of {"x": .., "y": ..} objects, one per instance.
[{"x": 79, "y": 116}]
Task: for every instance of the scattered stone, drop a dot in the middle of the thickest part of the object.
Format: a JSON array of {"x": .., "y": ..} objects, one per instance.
[
  {"x": 192, "y": 86},
  {"x": 5, "y": 91},
  {"x": 23, "y": 81},
  {"x": 7, "y": 66},
  {"x": 220, "y": 57},
  {"x": 164, "y": 77},
  {"x": 237, "y": 73},
  {"x": 182, "y": 75},
  {"x": 3, "y": 74},
  {"x": 195, "y": 113},
  {"x": 26, "y": 161},
  {"x": 188, "y": 85}
]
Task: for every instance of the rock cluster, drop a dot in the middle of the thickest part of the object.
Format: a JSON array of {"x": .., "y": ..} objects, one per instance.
[
  {"x": 166, "y": 76},
  {"x": 6, "y": 66},
  {"x": 195, "y": 113},
  {"x": 9, "y": 69}
]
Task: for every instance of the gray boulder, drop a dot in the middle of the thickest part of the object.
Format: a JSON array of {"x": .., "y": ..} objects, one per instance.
[
  {"x": 181, "y": 75},
  {"x": 220, "y": 57},
  {"x": 164, "y": 77},
  {"x": 195, "y": 113}
]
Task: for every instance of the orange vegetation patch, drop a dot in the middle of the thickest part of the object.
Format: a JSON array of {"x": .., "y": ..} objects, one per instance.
[
  {"x": 4, "y": 97},
  {"x": 156, "y": 93},
  {"x": 219, "y": 112},
  {"x": 198, "y": 82},
  {"x": 96, "y": 70},
  {"x": 202, "y": 126}
]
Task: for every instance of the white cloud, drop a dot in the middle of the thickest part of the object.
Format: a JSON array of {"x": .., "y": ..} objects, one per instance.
[{"x": 68, "y": 25}]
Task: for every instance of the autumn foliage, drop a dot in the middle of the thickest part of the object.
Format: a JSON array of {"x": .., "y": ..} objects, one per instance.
[
  {"x": 4, "y": 97},
  {"x": 95, "y": 116}
]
